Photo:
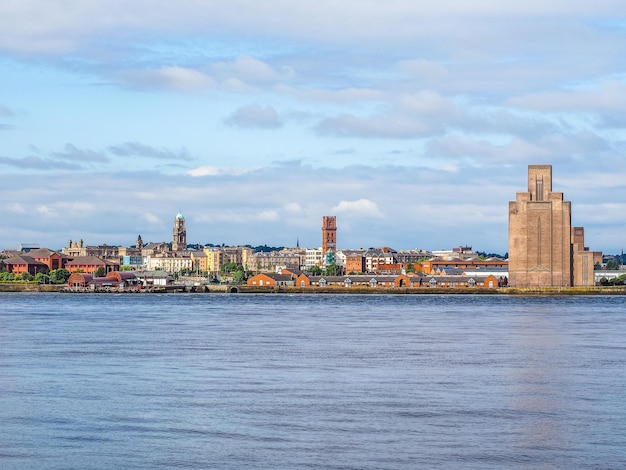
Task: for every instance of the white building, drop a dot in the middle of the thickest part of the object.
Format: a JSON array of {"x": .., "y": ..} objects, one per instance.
[
  {"x": 168, "y": 262},
  {"x": 313, "y": 257}
]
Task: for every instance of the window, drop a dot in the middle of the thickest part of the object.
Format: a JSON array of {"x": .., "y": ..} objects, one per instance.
[{"x": 539, "y": 186}]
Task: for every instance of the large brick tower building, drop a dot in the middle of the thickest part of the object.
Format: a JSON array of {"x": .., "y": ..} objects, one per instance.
[
  {"x": 179, "y": 239},
  {"x": 544, "y": 249}
]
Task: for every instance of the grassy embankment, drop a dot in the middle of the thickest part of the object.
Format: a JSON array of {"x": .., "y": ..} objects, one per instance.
[{"x": 27, "y": 286}]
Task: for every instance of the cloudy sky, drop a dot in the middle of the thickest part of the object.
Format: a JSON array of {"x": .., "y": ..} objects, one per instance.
[{"x": 411, "y": 121}]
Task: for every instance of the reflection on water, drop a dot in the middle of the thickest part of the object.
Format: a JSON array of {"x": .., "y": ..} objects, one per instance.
[
  {"x": 540, "y": 384},
  {"x": 272, "y": 381}
]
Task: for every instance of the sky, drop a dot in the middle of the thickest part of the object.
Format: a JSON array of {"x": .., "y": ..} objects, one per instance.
[{"x": 413, "y": 122}]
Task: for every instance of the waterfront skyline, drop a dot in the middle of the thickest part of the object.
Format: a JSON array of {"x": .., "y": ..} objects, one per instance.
[{"x": 413, "y": 122}]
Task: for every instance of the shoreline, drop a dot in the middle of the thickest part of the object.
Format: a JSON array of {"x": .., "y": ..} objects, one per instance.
[{"x": 244, "y": 289}]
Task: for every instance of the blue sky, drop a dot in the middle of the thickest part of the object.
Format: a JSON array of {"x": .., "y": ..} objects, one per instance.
[{"x": 411, "y": 121}]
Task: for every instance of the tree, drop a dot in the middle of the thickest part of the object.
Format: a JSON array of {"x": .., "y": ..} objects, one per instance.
[
  {"x": 239, "y": 276},
  {"x": 42, "y": 278},
  {"x": 229, "y": 267},
  {"x": 611, "y": 265},
  {"x": 100, "y": 272},
  {"x": 315, "y": 271},
  {"x": 333, "y": 270},
  {"x": 410, "y": 268},
  {"x": 59, "y": 276},
  {"x": 7, "y": 276},
  {"x": 27, "y": 276}
]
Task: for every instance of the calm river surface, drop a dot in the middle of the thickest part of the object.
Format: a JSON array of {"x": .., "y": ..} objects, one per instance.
[{"x": 311, "y": 381}]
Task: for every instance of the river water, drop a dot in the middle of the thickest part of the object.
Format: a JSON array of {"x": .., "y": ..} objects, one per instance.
[{"x": 238, "y": 381}]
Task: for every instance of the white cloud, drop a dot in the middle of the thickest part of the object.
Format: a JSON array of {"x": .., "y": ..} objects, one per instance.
[
  {"x": 216, "y": 171},
  {"x": 608, "y": 96},
  {"x": 255, "y": 116},
  {"x": 151, "y": 218},
  {"x": 358, "y": 208},
  {"x": 16, "y": 208},
  {"x": 268, "y": 216},
  {"x": 293, "y": 207},
  {"x": 73, "y": 153},
  {"x": 76, "y": 207},
  {"x": 377, "y": 126},
  {"x": 250, "y": 70},
  {"x": 45, "y": 210},
  {"x": 338, "y": 96},
  {"x": 167, "y": 77},
  {"x": 137, "y": 149},
  {"x": 424, "y": 70},
  {"x": 43, "y": 26},
  {"x": 420, "y": 114}
]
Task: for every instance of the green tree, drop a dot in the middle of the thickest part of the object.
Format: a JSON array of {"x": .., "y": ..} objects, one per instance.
[
  {"x": 27, "y": 276},
  {"x": 239, "y": 276},
  {"x": 4, "y": 275},
  {"x": 42, "y": 278},
  {"x": 100, "y": 272},
  {"x": 333, "y": 270},
  {"x": 611, "y": 265},
  {"x": 229, "y": 267},
  {"x": 315, "y": 271},
  {"x": 410, "y": 268},
  {"x": 59, "y": 276}
]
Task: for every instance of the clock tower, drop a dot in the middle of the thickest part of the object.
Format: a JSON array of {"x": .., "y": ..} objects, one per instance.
[{"x": 179, "y": 240}]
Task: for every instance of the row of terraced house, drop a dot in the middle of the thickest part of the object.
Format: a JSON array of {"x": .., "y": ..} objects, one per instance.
[{"x": 403, "y": 281}]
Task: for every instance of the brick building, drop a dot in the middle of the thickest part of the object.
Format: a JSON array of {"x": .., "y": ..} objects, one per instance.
[
  {"x": 544, "y": 249},
  {"x": 329, "y": 238},
  {"x": 90, "y": 264},
  {"x": 21, "y": 264},
  {"x": 52, "y": 259},
  {"x": 434, "y": 265}
]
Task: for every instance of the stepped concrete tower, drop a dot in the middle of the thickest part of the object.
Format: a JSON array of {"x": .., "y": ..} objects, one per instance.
[
  {"x": 540, "y": 234},
  {"x": 179, "y": 241}
]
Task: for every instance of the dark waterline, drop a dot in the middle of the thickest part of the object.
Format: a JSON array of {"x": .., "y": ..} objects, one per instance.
[{"x": 311, "y": 381}]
